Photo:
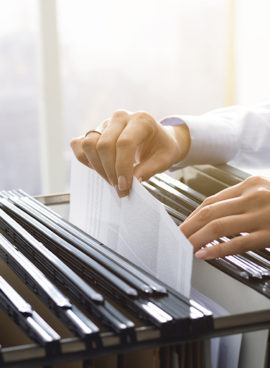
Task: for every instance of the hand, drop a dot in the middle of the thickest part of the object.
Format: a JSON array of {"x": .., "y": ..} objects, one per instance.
[
  {"x": 243, "y": 208},
  {"x": 128, "y": 139}
]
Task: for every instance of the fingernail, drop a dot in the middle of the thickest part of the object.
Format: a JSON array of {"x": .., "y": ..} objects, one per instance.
[
  {"x": 122, "y": 183},
  {"x": 120, "y": 194},
  {"x": 140, "y": 179},
  {"x": 201, "y": 254}
]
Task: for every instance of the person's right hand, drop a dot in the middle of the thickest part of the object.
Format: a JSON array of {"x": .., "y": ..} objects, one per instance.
[{"x": 128, "y": 139}]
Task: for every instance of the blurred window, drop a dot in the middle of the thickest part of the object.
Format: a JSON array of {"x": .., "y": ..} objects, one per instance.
[{"x": 19, "y": 157}]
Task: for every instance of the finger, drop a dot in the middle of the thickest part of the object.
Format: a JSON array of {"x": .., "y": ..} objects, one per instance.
[
  {"x": 227, "y": 193},
  {"x": 255, "y": 181},
  {"x": 155, "y": 164},
  {"x": 238, "y": 245},
  {"x": 226, "y": 226},
  {"x": 76, "y": 145},
  {"x": 106, "y": 146},
  {"x": 228, "y": 207},
  {"x": 135, "y": 133},
  {"x": 89, "y": 149}
]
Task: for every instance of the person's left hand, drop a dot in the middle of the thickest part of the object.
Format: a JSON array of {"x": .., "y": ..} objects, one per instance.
[{"x": 243, "y": 208}]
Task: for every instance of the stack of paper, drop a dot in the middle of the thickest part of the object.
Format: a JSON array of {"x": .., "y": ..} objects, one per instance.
[{"x": 136, "y": 226}]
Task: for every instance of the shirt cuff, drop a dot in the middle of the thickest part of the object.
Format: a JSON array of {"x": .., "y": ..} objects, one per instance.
[{"x": 213, "y": 139}]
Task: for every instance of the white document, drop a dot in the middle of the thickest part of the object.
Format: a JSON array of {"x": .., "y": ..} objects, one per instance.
[{"x": 136, "y": 226}]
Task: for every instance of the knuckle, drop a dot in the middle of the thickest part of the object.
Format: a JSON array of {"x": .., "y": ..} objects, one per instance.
[
  {"x": 219, "y": 251},
  {"x": 124, "y": 142},
  {"x": 142, "y": 115},
  {"x": 119, "y": 114},
  {"x": 88, "y": 144},
  {"x": 222, "y": 251},
  {"x": 207, "y": 201},
  {"x": 260, "y": 194},
  {"x": 205, "y": 214},
  {"x": 103, "y": 145},
  {"x": 263, "y": 193},
  {"x": 216, "y": 228},
  {"x": 254, "y": 180},
  {"x": 146, "y": 120}
]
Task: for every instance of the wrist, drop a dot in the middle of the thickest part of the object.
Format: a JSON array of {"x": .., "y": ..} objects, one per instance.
[
  {"x": 180, "y": 133},
  {"x": 183, "y": 139},
  {"x": 179, "y": 142}
]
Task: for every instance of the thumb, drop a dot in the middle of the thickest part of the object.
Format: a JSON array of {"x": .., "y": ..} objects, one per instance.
[{"x": 155, "y": 164}]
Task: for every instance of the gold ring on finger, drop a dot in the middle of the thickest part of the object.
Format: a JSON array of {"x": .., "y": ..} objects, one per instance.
[{"x": 92, "y": 131}]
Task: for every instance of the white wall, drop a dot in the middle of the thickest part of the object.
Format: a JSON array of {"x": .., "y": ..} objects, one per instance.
[
  {"x": 161, "y": 56},
  {"x": 252, "y": 49}
]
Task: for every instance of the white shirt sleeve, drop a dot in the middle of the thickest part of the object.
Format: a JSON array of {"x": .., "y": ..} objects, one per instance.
[{"x": 237, "y": 134}]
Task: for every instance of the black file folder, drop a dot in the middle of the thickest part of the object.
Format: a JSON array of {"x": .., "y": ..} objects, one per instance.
[
  {"x": 47, "y": 252},
  {"x": 68, "y": 279},
  {"x": 109, "y": 304},
  {"x": 170, "y": 313},
  {"x": 70, "y": 315},
  {"x": 31, "y": 323}
]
